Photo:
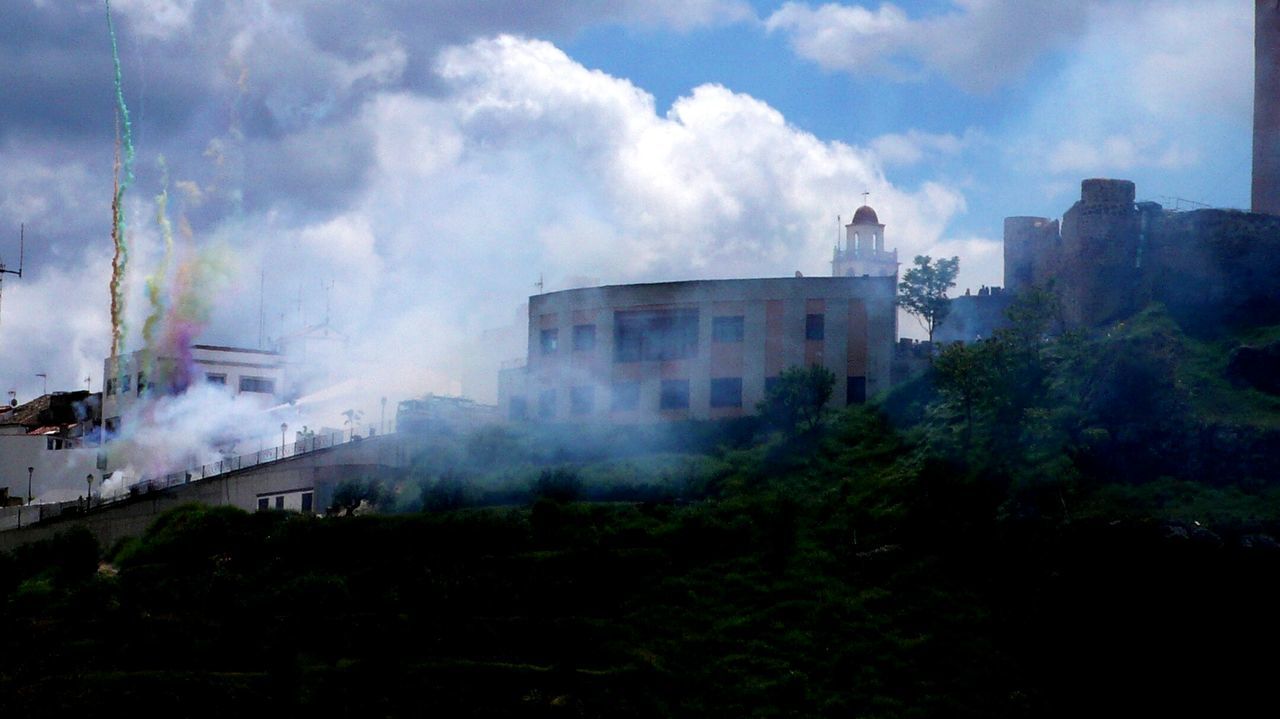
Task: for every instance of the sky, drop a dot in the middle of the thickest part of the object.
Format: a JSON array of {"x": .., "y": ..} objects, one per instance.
[{"x": 409, "y": 170}]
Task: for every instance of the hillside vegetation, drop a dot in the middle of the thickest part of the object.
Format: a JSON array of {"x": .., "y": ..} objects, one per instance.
[{"x": 1036, "y": 527}]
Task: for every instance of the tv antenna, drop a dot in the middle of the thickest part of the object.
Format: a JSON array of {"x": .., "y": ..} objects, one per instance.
[{"x": 22, "y": 243}]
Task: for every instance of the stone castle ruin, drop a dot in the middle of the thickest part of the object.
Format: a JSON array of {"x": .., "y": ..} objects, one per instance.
[{"x": 1111, "y": 256}]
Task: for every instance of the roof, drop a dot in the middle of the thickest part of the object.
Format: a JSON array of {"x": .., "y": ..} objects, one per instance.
[
  {"x": 48, "y": 409},
  {"x": 865, "y": 216}
]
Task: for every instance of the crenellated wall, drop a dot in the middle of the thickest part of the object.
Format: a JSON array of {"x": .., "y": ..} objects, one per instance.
[{"x": 1112, "y": 256}]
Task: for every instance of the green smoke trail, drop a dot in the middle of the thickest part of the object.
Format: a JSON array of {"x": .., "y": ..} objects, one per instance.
[
  {"x": 121, "y": 259},
  {"x": 156, "y": 282}
]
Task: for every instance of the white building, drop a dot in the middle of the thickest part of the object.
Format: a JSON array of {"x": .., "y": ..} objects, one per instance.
[
  {"x": 240, "y": 370},
  {"x": 54, "y": 436}
]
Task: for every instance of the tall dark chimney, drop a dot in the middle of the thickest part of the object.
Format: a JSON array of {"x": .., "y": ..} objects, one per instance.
[{"x": 1266, "y": 108}]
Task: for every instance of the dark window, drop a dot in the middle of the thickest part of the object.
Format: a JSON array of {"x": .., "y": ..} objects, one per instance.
[
  {"x": 306, "y": 501},
  {"x": 142, "y": 382},
  {"x": 814, "y": 327},
  {"x": 655, "y": 335},
  {"x": 626, "y": 396},
  {"x": 263, "y": 504},
  {"x": 726, "y": 329},
  {"x": 519, "y": 409},
  {"x": 582, "y": 400},
  {"x": 547, "y": 404},
  {"x": 111, "y": 386},
  {"x": 126, "y": 383},
  {"x": 550, "y": 339},
  {"x": 726, "y": 392},
  {"x": 113, "y": 424},
  {"x": 675, "y": 394},
  {"x": 280, "y": 502},
  {"x": 257, "y": 384},
  {"x": 213, "y": 378},
  {"x": 584, "y": 338},
  {"x": 770, "y": 383},
  {"x": 856, "y": 391}
]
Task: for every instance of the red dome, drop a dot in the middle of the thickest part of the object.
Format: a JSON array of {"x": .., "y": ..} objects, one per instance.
[{"x": 865, "y": 216}]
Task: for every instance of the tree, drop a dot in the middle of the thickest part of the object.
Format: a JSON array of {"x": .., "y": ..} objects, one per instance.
[
  {"x": 796, "y": 401},
  {"x": 923, "y": 290}
]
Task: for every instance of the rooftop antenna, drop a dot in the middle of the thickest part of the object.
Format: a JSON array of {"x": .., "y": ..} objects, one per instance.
[
  {"x": 22, "y": 243},
  {"x": 539, "y": 284}
]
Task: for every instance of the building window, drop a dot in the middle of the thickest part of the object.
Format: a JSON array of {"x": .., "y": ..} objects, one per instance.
[
  {"x": 142, "y": 382},
  {"x": 582, "y": 400},
  {"x": 126, "y": 383},
  {"x": 280, "y": 502},
  {"x": 547, "y": 404},
  {"x": 215, "y": 378},
  {"x": 726, "y": 329},
  {"x": 263, "y": 504},
  {"x": 675, "y": 394},
  {"x": 814, "y": 327},
  {"x": 655, "y": 335},
  {"x": 770, "y": 383},
  {"x": 626, "y": 396},
  {"x": 257, "y": 384},
  {"x": 549, "y": 340},
  {"x": 306, "y": 501},
  {"x": 519, "y": 409},
  {"x": 52, "y": 443},
  {"x": 111, "y": 386},
  {"x": 726, "y": 392},
  {"x": 856, "y": 390},
  {"x": 584, "y": 338},
  {"x": 112, "y": 424}
]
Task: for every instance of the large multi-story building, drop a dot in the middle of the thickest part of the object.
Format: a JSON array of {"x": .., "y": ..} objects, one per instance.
[{"x": 701, "y": 349}]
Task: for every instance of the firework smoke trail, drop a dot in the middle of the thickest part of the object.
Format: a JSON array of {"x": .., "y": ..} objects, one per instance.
[
  {"x": 120, "y": 260},
  {"x": 155, "y": 283}
]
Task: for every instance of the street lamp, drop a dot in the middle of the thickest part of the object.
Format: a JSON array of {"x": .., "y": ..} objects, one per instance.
[
  {"x": 29, "y": 471},
  {"x": 284, "y": 426},
  {"x": 88, "y": 493}
]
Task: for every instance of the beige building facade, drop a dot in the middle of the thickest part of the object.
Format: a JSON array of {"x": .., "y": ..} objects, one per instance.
[{"x": 702, "y": 349}]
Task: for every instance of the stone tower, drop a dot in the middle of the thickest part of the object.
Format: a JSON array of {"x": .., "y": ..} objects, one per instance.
[
  {"x": 1030, "y": 249},
  {"x": 1266, "y": 108},
  {"x": 864, "y": 252}
]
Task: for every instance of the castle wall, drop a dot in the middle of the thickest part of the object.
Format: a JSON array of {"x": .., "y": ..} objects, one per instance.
[
  {"x": 1114, "y": 256},
  {"x": 1266, "y": 108}
]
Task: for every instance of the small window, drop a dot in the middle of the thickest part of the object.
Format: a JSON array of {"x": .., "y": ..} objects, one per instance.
[
  {"x": 263, "y": 504},
  {"x": 550, "y": 339},
  {"x": 584, "y": 338},
  {"x": 51, "y": 443},
  {"x": 142, "y": 382},
  {"x": 126, "y": 383},
  {"x": 257, "y": 384},
  {"x": 519, "y": 409},
  {"x": 547, "y": 404},
  {"x": 726, "y": 392},
  {"x": 215, "y": 378},
  {"x": 856, "y": 391},
  {"x": 814, "y": 327},
  {"x": 626, "y": 396},
  {"x": 582, "y": 400},
  {"x": 280, "y": 502},
  {"x": 727, "y": 329},
  {"x": 675, "y": 394},
  {"x": 306, "y": 501},
  {"x": 111, "y": 386}
]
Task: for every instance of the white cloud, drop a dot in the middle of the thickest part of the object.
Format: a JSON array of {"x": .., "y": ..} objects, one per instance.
[
  {"x": 978, "y": 45},
  {"x": 913, "y": 146}
]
